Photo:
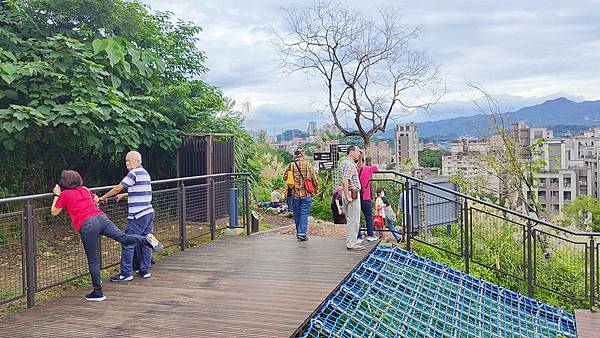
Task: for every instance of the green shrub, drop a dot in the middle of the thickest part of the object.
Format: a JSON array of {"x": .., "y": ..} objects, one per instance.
[
  {"x": 496, "y": 246},
  {"x": 321, "y": 208}
]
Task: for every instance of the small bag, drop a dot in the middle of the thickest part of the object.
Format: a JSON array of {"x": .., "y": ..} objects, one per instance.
[
  {"x": 308, "y": 183},
  {"x": 290, "y": 179},
  {"x": 378, "y": 221}
]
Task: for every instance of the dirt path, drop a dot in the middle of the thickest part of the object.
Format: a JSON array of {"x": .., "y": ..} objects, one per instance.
[{"x": 315, "y": 227}]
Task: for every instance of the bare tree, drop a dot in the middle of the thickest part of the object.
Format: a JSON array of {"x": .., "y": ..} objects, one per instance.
[
  {"x": 367, "y": 65},
  {"x": 516, "y": 167}
]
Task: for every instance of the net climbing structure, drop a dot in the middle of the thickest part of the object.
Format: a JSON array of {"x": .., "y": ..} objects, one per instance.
[{"x": 396, "y": 293}]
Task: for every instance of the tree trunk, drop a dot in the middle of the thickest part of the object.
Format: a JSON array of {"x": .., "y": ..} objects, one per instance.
[{"x": 367, "y": 151}]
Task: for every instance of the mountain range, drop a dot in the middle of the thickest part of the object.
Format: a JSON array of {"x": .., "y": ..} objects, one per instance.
[{"x": 557, "y": 113}]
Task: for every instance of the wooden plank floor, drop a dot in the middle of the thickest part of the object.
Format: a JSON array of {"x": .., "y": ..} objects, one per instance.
[
  {"x": 255, "y": 286},
  {"x": 588, "y": 324}
]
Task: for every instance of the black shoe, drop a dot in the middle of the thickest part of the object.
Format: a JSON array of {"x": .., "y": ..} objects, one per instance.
[
  {"x": 95, "y": 296},
  {"x": 120, "y": 278},
  {"x": 304, "y": 238}
]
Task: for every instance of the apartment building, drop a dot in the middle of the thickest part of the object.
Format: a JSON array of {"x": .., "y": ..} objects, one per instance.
[
  {"x": 467, "y": 159},
  {"x": 570, "y": 167},
  {"x": 381, "y": 154},
  {"x": 406, "y": 139},
  {"x": 558, "y": 188}
]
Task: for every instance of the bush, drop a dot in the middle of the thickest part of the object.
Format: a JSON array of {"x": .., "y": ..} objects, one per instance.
[
  {"x": 563, "y": 271},
  {"x": 321, "y": 208}
]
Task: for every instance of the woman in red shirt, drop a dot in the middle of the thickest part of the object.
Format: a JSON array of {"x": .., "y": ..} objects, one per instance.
[{"x": 90, "y": 222}]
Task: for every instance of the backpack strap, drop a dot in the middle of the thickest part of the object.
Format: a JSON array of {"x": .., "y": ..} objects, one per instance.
[{"x": 301, "y": 175}]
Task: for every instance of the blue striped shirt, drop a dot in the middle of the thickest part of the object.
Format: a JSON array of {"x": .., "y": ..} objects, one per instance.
[{"x": 139, "y": 192}]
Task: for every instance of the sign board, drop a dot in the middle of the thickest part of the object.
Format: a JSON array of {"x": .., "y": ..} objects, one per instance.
[
  {"x": 342, "y": 148},
  {"x": 322, "y": 156},
  {"x": 325, "y": 165}
]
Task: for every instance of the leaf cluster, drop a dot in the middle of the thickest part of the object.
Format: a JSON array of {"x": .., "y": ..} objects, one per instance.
[{"x": 86, "y": 81}]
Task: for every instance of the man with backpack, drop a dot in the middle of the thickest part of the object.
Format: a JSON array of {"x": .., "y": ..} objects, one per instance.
[{"x": 302, "y": 185}]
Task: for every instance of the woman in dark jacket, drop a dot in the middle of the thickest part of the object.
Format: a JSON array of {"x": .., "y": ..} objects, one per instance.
[
  {"x": 90, "y": 222},
  {"x": 336, "y": 206}
]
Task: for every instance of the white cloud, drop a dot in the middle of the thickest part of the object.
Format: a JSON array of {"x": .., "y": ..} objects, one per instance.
[{"x": 520, "y": 51}]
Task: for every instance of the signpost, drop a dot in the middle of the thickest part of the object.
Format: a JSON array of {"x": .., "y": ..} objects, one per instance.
[
  {"x": 329, "y": 161},
  {"x": 326, "y": 165},
  {"x": 342, "y": 148},
  {"x": 322, "y": 156}
]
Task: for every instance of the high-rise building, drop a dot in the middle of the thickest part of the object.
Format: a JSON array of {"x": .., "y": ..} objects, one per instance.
[
  {"x": 526, "y": 137},
  {"x": 569, "y": 167},
  {"x": 312, "y": 128},
  {"x": 380, "y": 154},
  {"x": 406, "y": 144}
]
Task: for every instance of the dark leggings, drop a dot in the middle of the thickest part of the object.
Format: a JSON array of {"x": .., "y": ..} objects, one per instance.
[{"x": 90, "y": 232}]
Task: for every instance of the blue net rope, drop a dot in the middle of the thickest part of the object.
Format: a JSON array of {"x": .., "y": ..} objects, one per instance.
[{"x": 396, "y": 293}]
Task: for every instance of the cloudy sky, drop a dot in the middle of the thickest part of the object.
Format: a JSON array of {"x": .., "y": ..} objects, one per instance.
[{"x": 522, "y": 52}]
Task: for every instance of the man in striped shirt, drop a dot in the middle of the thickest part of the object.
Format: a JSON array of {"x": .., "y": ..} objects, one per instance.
[{"x": 140, "y": 214}]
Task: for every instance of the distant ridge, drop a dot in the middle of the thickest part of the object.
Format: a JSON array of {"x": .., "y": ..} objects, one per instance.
[{"x": 556, "y": 112}]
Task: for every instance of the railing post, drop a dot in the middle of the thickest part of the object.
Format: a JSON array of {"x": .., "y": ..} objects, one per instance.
[
  {"x": 529, "y": 259},
  {"x": 182, "y": 216},
  {"x": 247, "y": 205},
  {"x": 407, "y": 213},
  {"x": 211, "y": 208},
  {"x": 465, "y": 222},
  {"x": 592, "y": 272},
  {"x": 29, "y": 253}
]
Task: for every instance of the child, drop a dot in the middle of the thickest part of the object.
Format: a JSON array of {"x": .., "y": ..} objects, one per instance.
[
  {"x": 378, "y": 220},
  {"x": 390, "y": 219}
]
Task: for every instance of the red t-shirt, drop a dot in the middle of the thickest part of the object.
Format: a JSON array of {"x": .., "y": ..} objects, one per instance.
[
  {"x": 80, "y": 205},
  {"x": 365, "y": 176}
]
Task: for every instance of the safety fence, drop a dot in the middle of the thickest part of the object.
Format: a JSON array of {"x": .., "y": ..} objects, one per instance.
[
  {"x": 39, "y": 251},
  {"x": 523, "y": 253}
]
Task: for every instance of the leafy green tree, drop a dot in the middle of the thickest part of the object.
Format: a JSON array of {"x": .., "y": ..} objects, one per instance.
[
  {"x": 284, "y": 155},
  {"x": 430, "y": 158},
  {"x": 174, "y": 41},
  {"x": 584, "y": 212},
  {"x": 81, "y": 82}
]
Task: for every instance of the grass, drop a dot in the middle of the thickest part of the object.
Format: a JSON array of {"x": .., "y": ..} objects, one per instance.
[{"x": 497, "y": 254}]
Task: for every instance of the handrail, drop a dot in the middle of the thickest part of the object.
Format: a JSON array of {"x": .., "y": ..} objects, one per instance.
[
  {"x": 170, "y": 180},
  {"x": 489, "y": 204},
  {"x": 207, "y": 203}
]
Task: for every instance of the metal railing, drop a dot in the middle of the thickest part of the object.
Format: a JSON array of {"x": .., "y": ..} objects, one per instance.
[
  {"x": 526, "y": 254},
  {"x": 39, "y": 252}
]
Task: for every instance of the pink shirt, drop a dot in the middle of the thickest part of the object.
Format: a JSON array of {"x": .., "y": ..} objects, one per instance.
[{"x": 365, "y": 175}]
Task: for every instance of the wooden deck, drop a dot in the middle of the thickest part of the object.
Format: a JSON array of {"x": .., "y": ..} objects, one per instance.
[
  {"x": 588, "y": 324},
  {"x": 255, "y": 286}
]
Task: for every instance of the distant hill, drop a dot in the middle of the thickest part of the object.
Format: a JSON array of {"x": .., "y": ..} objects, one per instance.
[{"x": 561, "y": 113}]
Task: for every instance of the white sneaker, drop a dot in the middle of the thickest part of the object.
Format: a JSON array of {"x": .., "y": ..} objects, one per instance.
[
  {"x": 372, "y": 239},
  {"x": 156, "y": 245},
  {"x": 359, "y": 241}
]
